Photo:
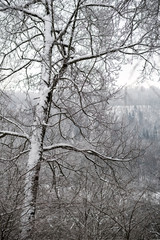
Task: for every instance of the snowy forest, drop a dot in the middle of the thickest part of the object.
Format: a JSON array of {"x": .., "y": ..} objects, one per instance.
[{"x": 79, "y": 154}]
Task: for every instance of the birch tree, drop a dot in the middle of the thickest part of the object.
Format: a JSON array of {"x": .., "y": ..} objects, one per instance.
[{"x": 68, "y": 54}]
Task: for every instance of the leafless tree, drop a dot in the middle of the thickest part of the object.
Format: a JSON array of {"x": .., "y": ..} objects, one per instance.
[{"x": 68, "y": 53}]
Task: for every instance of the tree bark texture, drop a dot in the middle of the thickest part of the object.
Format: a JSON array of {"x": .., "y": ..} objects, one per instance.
[{"x": 38, "y": 133}]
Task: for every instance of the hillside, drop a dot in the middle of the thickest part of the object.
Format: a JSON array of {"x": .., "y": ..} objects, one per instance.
[{"x": 140, "y": 106}]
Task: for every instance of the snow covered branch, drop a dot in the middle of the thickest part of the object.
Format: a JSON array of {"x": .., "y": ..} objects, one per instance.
[
  {"x": 103, "y": 53},
  {"x": 84, "y": 151},
  {"x": 6, "y": 7},
  {"x": 103, "y": 5},
  {"x": 14, "y": 123},
  {"x": 15, "y": 134}
]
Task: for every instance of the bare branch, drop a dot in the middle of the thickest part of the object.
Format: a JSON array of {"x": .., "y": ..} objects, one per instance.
[
  {"x": 4, "y": 7},
  {"x": 14, "y": 123},
  {"x": 103, "y": 53},
  {"x": 15, "y": 134},
  {"x": 84, "y": 151}
]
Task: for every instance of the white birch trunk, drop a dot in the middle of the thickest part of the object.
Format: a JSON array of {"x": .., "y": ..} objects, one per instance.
[{"x": 39, "y": 128}]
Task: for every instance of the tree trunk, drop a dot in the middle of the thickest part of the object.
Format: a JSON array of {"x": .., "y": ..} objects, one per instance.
[
  {"x": 39, "y": 129},
  {"x": 31, "y": 187}
]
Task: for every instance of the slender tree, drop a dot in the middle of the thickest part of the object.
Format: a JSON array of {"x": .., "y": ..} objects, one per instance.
[{"x": 67, "y": 53}]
